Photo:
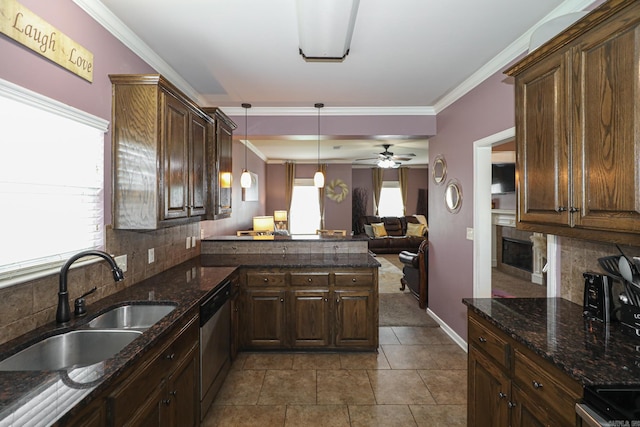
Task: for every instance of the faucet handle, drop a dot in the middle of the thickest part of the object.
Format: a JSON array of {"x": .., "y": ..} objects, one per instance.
[{"x": 80, "y": 306}]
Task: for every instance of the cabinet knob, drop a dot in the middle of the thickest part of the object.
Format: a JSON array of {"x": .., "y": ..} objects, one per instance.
[
  {"x": 173, "y": 392},
  {"x": 326, "y": 300},
  {"x": 265, "y": 280},
  {"x": 353, "y": 280},
  {"x": 574, "y": 209},
  {"x": 561, "y": 209},
  {"x": 166, "y": 401},
  {"x": 482, "y": 339},
  {"x": 309, "y": 280},
  {"x": 281, "y": 299},
  {"x": 536, "y": 384},
  {"x": 337, "y": 300},
  {"x": 170, "y": 356},
  {"x": 511, "y": 404},
  {"x": 501, "y": 395}
]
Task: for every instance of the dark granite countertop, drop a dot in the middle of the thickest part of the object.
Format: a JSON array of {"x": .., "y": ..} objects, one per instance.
[
  {"x": 587, "y": 350},
  {"x": 185, "y": 285},
  {"x": 290, "y": 260}
]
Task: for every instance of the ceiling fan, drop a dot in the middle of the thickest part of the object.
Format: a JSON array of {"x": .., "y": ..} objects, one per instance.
[{"x": 387, "y": 159}]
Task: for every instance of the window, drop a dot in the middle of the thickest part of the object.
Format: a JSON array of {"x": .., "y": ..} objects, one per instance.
[
  {"x": 51, "y": 183},
  {"x": 305, "y": 208},
  {"x": 390, "y": 200}
]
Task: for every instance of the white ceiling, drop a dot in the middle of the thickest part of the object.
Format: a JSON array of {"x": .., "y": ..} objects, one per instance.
[{"x": 411, "y": 57}]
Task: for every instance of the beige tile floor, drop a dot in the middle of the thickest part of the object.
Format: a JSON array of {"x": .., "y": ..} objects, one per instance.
[{"x": 417, "y": 378}]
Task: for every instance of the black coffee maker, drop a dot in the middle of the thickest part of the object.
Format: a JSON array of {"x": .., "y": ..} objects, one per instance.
[{"x": 598, "y": 299}]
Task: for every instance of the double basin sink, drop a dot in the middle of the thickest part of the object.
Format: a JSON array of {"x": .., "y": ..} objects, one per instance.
[{"x": 98, "y": 340}]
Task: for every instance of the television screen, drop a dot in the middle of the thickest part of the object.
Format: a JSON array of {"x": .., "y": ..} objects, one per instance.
[{"x": 503, "y": 178}]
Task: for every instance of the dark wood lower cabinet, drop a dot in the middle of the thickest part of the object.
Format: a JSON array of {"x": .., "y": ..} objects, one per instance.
[
  {"x": 509, "y": 385},
  {"x": 299, "y": 308}
]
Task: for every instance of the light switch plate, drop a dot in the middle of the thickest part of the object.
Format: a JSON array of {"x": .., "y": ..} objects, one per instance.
[
  {"x": 122, "y": 262},
  {"x": 469, "y": 233}
]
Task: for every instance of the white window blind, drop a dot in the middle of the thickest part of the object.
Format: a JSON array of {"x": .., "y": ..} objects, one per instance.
[
  {"x": 51, "y": 182},
  {"x": 390, "y": 199},
  {"x": 305, "y": 208}
]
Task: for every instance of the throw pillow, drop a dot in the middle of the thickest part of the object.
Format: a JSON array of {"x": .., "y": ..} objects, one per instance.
[
  {"x": 369, "y": 230},
  {"x": 379, "y": 230},
  {"x": 415, "y": 229}
]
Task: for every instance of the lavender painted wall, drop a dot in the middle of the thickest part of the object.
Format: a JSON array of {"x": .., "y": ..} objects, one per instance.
[
  {"x": 25, "y": 68},
  {"x": 486, "y": 110}
]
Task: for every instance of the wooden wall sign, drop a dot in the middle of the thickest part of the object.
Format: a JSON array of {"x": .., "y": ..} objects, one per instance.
[{"x": 28, "y": 29}]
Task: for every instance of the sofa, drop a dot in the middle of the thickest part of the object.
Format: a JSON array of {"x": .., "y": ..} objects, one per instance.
[{"x": 395, "y": 228}]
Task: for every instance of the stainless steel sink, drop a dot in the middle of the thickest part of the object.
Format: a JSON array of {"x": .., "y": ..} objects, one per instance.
[
  {"x": 132, "y": 316},
  {"x": 69, "y": 350}
]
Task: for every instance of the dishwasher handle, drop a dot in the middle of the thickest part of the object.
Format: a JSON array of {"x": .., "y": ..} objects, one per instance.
[{"x": 214, "y": 302}]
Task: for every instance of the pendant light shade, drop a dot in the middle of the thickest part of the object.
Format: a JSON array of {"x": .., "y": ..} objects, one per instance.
[
  {"x": 245, "y": 178},
  {"x": 318, "y": 178}
]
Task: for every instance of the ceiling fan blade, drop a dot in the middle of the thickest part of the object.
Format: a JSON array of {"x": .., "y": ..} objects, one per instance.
[
  {"x": 367, "y": 159},
  {"x": 404, "y": 159}
]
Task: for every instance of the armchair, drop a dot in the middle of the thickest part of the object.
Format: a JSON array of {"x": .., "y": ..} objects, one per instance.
[{"x": 416, "y": 273}]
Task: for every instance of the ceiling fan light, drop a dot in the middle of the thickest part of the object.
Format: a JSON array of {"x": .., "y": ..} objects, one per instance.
[{"x": 386, "y": 163}]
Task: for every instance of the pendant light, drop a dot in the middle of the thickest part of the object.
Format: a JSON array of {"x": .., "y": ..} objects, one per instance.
[
  {"x": 318, "y": 178},
  {"x": 245, "y": 178}
]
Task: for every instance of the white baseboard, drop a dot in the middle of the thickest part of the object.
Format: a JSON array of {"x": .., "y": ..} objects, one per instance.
[{"x": 447, "y": 330}]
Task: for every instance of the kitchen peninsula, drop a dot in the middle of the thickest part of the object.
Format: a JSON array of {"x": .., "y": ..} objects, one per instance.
[{"x": 301, "y": 292}]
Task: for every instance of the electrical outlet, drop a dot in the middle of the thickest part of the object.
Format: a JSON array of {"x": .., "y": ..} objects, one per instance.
[
  {"x": 188, "y": 242},
  {"x": 122, "y": 262},
  {"x": 152, "y": 255}
]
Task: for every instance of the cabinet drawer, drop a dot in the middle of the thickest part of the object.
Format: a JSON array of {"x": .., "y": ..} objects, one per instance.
[
  {"x": 489, "y": 342},
  {"x": 354, "y": 279},
  {"x": 189, "y": 337},
  {"x": 310, "y": 279},
  {"x": 266, "y": 279},
  {"x": 547, "y": 385}
]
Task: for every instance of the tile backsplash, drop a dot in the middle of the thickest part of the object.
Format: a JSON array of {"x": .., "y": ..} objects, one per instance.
[
  {"x": 578, "y": 256},
  {"x": 29, "y": 305}
]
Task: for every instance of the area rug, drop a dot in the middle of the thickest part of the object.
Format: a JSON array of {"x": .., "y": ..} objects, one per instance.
[
  {"x": 389, "y": 277},
  {"x": 401, "y": 309}
]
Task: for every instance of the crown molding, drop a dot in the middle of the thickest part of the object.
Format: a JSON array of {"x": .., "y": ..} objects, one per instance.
[
  {"x": 254, "y": 149},
  {"x": 331, "y": 111},
  {"x": 511, "y": 52},
  {"x": 119, "y": 30}
]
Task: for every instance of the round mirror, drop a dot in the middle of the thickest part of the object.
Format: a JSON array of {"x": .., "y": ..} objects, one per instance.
[
  {"x": 453, "y": 196},
  {"x": 439, "y": 169}
]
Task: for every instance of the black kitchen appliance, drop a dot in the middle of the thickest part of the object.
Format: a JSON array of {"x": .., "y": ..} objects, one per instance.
[
  {"x": 610, "y": 405},
  {"x": 598, "y": 302}
]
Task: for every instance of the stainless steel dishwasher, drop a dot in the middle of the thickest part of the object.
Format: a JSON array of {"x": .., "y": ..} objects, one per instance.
[{"x": 215, "y": 343}]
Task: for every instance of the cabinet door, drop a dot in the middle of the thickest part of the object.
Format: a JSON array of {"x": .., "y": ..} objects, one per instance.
[
  {"x": 174, "y": 158},
  {"x": 542, "y": 144},
  {"x": 309, "y": 319},
  {"x": 182, "y": 395},
  {"x": 354, "y": 315},
  {"x": 224, "y": 141},
  {"x": 197, "y": 163},
  {"x": 607, "y": 103},
  {"x": 264, "y": 324},
  {"x": 525, "y": 412},
  {"x": 488, "y": 392}
]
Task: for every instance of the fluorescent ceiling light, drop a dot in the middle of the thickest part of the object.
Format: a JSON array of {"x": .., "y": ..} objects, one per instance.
[{"x": 325, "y": 28}]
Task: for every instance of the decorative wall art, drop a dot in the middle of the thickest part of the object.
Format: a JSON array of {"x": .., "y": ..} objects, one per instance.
[
  {"x": 251, "y": 194},
  {"x": 439, "y": 169},
  {"x": 337, "y": 190}
]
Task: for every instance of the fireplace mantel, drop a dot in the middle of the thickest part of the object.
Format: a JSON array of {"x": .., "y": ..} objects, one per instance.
[{"x": 503, "y": 217}]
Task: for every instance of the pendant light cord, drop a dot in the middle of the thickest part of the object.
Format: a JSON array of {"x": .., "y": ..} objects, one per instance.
[
  {"x": 246, "y": 108},
  {"x": 319, "y": 106}
]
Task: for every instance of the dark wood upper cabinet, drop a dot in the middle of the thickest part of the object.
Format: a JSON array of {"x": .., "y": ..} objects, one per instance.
[
  {"x": 159, "y": 154},
  {"x": 577, "y": 115},
  {"x": 220, "y": 178}
]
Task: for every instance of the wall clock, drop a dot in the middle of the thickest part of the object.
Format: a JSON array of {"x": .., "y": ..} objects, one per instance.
[{"x": 337, "y": 190}]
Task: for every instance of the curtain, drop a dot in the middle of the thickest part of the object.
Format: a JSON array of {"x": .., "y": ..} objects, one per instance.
[
  {"x": 377, "y": 174},
  {"x": 290, "y": 176},
  {"x": 322, "y": 168},
  {"x": 403, "y": 178}
]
